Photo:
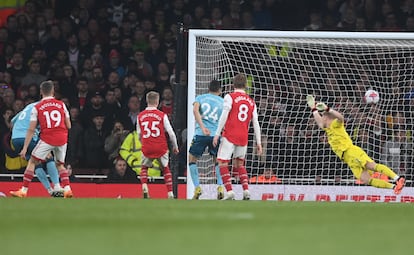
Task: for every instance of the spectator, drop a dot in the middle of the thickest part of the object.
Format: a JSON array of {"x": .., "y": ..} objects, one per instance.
[
  {"x": 167, "y": 102},
  {"x": 397, "y": 152},
  {"x": 17, "y": 70},
  {"x": 82, "y": 95},
  {"x": 94, "y": 142},
  {"x": 268, "y": 176},
  {"x": 68, "y": 83},
  {"x": 33, "y": 76},
  {"x": 121, "y": 172},
  {"x": 144, "y": 69},
  {"x": 114, "y": 140},
  {"x": 130, "y": 151},
  {"x": 75, "y": 148},
  {"x": 55, "y": 42},
  {"x": 130, "y": 119}
]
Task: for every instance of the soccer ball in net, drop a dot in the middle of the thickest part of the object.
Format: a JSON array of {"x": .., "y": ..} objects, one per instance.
[{"x": 371, "y": 96}]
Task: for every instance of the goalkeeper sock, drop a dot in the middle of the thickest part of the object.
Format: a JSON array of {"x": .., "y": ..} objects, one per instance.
[
  {"x": 380, "y": 183},
  {"x": 42, "y": 177},
  {"x": 243, "y": 177},
  {"x": 224, "y": 171},
  {"x": 386, "y": 170},
  {"x": 218, "y": 175},
  {"x": 144, "y": 174},
  {"x": 168, "y": 178},
  {"x": 53, "y": 172},
  {"x": 194, "y": 173}
]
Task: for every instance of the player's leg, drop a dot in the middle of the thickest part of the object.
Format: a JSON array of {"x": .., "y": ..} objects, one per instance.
[
  {"x": 224, "y": 154},
  {"x": 196, "y": 151},
  {"x": 167, "y": 175},
  {"x": 57, "y": 190},
  {"x": 239, "y": 155},
  {"x": 146, "y": 162},
  {"x": 60, "y": 153},
  {"x": 42, "y": 177},
  {"x": 213, "y": 152},
  {"x": 39, "y": 153},
  {"x": 383, "y": 169}
]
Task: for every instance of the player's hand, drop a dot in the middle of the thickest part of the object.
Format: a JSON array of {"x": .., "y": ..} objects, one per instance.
[
  {"x": 176, "y": 151},
  {"x": 215, "y": 140},
  {"x": 259, "y": 149},
  {"x": 23, "y": 153},
  {"x": 321, "y": 106},
  {"x": 206, "y": 131},
  {"x": 311, "y": 101}
]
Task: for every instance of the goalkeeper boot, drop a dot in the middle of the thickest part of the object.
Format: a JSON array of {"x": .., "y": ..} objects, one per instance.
[
  {"x": 145, "y": 193},
  {"x": 220, "y": 192},
  {"x": 197, "y": 193},
  {"x": 399, "y": 185},
  {"x": 229, "y": 195},
  {"x": 18, "y": 193},
  {"x": 246, "y": 194},
  {"x": 68, "y": 194}
]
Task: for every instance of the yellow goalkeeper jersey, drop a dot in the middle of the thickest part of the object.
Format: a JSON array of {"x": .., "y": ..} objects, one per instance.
[{"x": 338, "y": 138}]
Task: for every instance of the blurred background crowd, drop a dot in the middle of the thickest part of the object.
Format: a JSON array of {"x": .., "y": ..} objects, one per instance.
[{"x": 104, "y": 56}]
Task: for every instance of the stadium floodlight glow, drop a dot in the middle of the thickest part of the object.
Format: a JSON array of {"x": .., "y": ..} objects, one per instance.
[{"x": 337, "y": 68}]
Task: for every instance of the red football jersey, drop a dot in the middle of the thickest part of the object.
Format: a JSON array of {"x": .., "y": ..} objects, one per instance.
[
  {"x": 153, "y": 139},
  {"x": 51, "y": 114},
  {"x": 236, "y": 129}
]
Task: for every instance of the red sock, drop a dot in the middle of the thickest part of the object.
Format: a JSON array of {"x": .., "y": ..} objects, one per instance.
[
  {"x": 243, "y": 177},
  {"x": 27, "y": 178},
  {"x": 168, "y": 178},
  {"x": 64, "y": 177},
  {"x": 225, "y": 175},
  {"x": 144, "y": 174}
]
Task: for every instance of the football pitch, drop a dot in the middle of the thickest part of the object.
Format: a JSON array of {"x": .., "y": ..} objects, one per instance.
[{"x": 135, "y": 226}]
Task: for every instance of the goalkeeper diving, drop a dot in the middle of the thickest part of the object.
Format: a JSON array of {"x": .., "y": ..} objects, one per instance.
[{"x": 361, "y": 165}]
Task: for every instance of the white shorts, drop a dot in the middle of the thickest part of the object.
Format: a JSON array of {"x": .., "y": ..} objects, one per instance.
[
  {"x": 227, "y": 149},
  {"x": 163, "y": 160},
  {"x": 42, "y": 150}
]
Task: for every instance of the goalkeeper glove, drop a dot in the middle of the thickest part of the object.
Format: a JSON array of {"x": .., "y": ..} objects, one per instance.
[
  {"x": 322, "y": 107},
  {"x": 311, "y": 101}
]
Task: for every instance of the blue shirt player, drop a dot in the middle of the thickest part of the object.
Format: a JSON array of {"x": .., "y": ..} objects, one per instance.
[
  {"x": 21, "y": 122},
  {"x": 207, "y": 109}
]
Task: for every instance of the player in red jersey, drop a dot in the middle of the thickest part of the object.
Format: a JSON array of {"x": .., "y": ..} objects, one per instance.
[
  {"x": 152, "y": 126},
  {"x": 54, "y": 121},
  {"x": 238, "y": 110}
]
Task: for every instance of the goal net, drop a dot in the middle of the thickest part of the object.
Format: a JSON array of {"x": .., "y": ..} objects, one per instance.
[{"x": 337, "y": 68}]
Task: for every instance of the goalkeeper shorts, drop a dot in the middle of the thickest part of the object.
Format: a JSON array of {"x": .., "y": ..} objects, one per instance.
[{"x": 356, "y": 158}]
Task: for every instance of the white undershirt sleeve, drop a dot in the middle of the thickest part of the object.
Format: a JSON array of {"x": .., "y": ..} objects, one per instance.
[
  {"x": 170, "y": 132},
  {"x": 256, "y": 127},
  {"x": 227, "y": 105}
]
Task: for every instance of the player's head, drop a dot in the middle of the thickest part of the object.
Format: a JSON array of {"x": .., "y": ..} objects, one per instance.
[
  {"x": 153, "y": 98},
  {"x": 47, "y": 88},
  {"x": 239, "y": 81},
  {"x": 214, "y": 86}
]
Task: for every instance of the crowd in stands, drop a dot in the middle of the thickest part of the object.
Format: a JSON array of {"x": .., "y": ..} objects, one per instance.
[{"x": 105, "y": 55}]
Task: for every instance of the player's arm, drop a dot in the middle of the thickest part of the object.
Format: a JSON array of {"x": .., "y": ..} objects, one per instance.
[
  {"x": 28, "y": 138},
  {"x": 227, "y": 104},
  {"x": 171, "y": 134},
  {"x": 138, "y": 128},
  {"x": 67, "y": 118},
  {"x": 310, "y": 100},
  {"x": 198, "y": 118},
  {"x": 336, "y": 114},
  {"x": 257, "y": 132}
]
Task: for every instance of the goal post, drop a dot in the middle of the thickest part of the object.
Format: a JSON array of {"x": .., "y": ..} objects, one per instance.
[{"x": 282, "y": 67}]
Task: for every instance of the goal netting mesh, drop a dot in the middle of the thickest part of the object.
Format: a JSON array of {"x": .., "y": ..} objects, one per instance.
[{"x": 282, "y": 70}]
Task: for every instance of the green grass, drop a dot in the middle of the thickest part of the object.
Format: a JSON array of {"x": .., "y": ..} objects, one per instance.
[{"x": 135, "y": 226}]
